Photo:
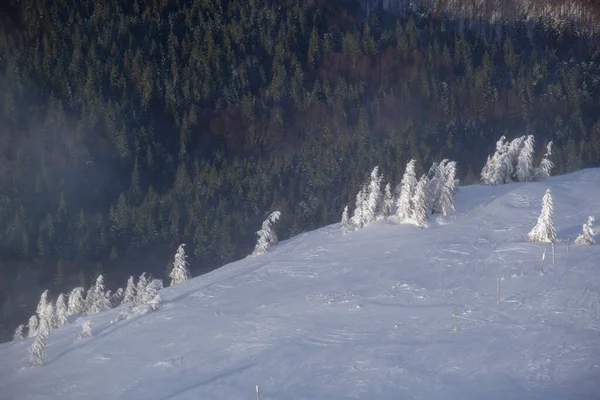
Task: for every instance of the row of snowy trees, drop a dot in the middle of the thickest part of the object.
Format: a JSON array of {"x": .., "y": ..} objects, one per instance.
[
  {"x": 513, "y": 162},
  {"x": 545, "y": 232},
  {"x": 413, "y": 202},
  {"x": 51, "y": 315}
]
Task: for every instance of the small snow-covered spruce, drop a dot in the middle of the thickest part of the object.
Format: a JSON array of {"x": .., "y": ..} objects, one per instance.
[
  {"x": 419, "y": 210},
  {"x": 407, "y": 190},
  {"x": 86, "y": 330},
  {"x": 447, "y": 196},
  {"x": 117, "y": 297},
  {"x": 45, "y": 311},
  {"x": 33, "y": 326},
  {"x": 76, "y": 304},
  {"x": 37, "y": 351},
  {"x": 372, "y": 205},
  {"x": 544, "y": 230},
  {"x": 525, "y": 170},
  {"x": 587, "y": 237},
  {"x": 130, "y": 292},
  {"x": 100, "y": 302},
  {"x": 151, "y": 296},
  {"x": 435, "y": 187},
  {"x": 358, "y": 217},
  {"x": 61, "y": 311},
  {"x": 495, "y": 169},
  {"x": 266, "y": 236},
  {"x": 512, "y": 157},
  {"x": 140, "y": 288},
  {"x": 18, "y": 335},
  {"x": 545, "y": 168},
  {"x": 180, "y": 272},
  {"x": 388, "y": 201},
  {"x": 345, "y": 224}
]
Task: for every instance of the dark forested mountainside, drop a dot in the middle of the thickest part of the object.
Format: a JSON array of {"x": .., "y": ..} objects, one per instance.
[{"x": 129, "y": 128}]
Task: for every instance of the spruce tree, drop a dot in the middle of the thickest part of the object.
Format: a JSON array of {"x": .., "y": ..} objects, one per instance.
[
  {"x": 587, "y": 236},
  {"x": 544, "y": 230},
  {"x": 180, "y": 272},
  {"x": 267, "y": 236}
]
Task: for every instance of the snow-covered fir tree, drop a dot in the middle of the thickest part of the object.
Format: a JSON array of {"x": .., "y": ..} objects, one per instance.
[
  {"x": 544, "y": 230},
  {"x": 61, "y": 311},
  {"x": 86, "y": 330},
  {"x": 345, "y": 223},
  {"x": 32, "y": 326},
  {"x": 130, "y": 292},
  {"x": 358, "y": 217},
  {"x": 267, "y": 236},
  {"x": 117, "y": 297},
  {"x": 42, "y": 304},
  {"x": 151, "y": 296},
  {"x": 495, "y": 169},
  {"x": 512, "y": 158},
  {"x": 99, "y": 301},
  {"x": 437, "y": 175},
  {"x": 545, "y": 168},
  {"x": 50, "y": 316},
  {"x": 45, "y": 311},
  {"x": 448, "y": 189},
  {"x": 587, "y": 236},
  {"x": 76, "y": 304},
  {"x": 374, "y": 196},
  {"x": 388, "y": 201},
  {"x": 180, "y": 272},
  {"x": 37, "y": 351},
  {"x": 140, "y": 287},
  {"x": 419, "y": 203},
  {"x": 19, "y": 335},
  {"x": 525, "y": 171},
  {"x": 407, "y": 189}
]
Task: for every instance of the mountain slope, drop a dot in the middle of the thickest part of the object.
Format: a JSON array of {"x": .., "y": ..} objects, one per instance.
[{"x": 366, "y": 315}]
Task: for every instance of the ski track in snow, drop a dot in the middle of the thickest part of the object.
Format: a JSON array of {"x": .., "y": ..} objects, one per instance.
[{"x": 365, "y": 315}]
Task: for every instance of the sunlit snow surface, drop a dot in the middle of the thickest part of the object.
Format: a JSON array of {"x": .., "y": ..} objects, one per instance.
[{"x": 367, "y": 315}]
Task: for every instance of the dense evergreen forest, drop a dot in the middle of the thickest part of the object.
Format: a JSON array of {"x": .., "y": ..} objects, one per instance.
[{"x": 127, "y": 128}]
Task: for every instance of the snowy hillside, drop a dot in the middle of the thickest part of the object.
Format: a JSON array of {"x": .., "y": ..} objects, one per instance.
[{"x": 367, "y": 315}]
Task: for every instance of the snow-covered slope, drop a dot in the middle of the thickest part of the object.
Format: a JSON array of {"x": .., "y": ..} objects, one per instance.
[{"x": 367, "y": 315}]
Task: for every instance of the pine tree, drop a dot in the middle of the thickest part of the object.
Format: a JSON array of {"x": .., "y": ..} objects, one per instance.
[
  {"x": 37, "y": 351},
  {"x": 419, "y": 202},
  {"x": 447, "y": 196},
  {"x": 130, "y": 292},
  {"x": 99, "y": 300},
  {"x": 408, "y": 186},
  {"x": 266, "y": 236},
  {"x": 18, "y": 335},
  {"x": 33, "y": 326},
  {"x": 344, "y": 225},
  {"x": 76, "y": 305},
  {"x": 180, "y": 272},
  {"x": 512, "y": 158},
  {"x": 587, "y": 236},
  {"x": 140, "y": 288},
  {"x": 436, "y": 186},
  {"x": 499, "y": 167},
  {"x": 388, "y": 201},
  {"x": 117, "y": 297},
  {"x": 50, "y": 316},
  {"x": 86, "y": 330},
  {"x": 371, "y": 206},
  {"x": 545, "y": 168},
  {"x": 358, "y": 217},
  {"x": 544, "y": 230},
  {"x": 525, "y": 171},
  {"x": 151, "y": 295},
  {"x": 61, "y": 311},
  {"x": 43, "y": 304}
]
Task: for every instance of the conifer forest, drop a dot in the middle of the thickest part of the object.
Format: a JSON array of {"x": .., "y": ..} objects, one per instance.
[{"x": 128, "y": 128}]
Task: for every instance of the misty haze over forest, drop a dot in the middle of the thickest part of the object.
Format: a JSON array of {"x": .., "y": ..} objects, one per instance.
[{"x": 128, "y": 129}]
